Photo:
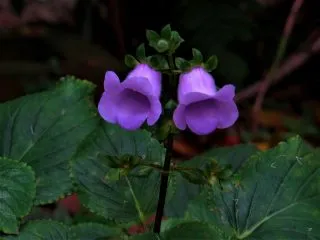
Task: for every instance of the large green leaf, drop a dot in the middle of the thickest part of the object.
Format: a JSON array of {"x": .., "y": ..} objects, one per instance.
[
  {"x": 186, "y": 191},
  {"x": 146, "y": 236},
  {"x": 130, "y": 197},
  {"x": 183, "y": 230},
  {"x": 93, "y": 231},
  {"x": 42, "y": 230},
  {"x": 277, "y": 196},
  {"x": 17, "y": 191},
  {"x": 234, "y": 156},
  {"x": 44, "y": 130},
  {"x": 192, "y": 231}
]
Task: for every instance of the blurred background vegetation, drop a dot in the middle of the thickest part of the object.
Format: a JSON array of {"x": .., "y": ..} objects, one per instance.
[{"x": 42, "y": 40}]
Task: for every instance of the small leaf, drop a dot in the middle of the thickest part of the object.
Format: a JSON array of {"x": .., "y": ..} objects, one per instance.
[
  {"x": 176, "y": 40},
  {"x": 162, "y": 45},
  {"x": 141, "y": 52},
  {"x": 197, "y": 56},
  {"x": 166, "y": 32},
  {"x": 40, "y": 230},
  {"x": 211, "y": 64},
  {"x": 159, "y": 62},
  {"x": 195, "y": 175},
  {"x": 17, "y": 191},
  {"x": 171, "y": 104},
  {"x": 153, "y": 37},
  {"x": 94, "y": 231},
  {"x": 130, "y": 61},
  {"x": 113, "y": 175},
  {"x": 182, "y": 64}
]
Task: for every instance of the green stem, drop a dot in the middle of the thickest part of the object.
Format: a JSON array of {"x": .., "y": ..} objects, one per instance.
[
  {"x": 166, "y": 166},
  {"x": 171, "y": 65},
  {"x": 136, "y": 202},
  {"x": 163, "y": 185}
]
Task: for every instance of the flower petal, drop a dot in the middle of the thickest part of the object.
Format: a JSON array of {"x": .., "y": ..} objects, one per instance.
[
  {"x": 112, "y": 83},
  {"x": 195, "y": 81},
  {"x": 227, "y": 113},
  {"x": 155, "y": 111},
  {"x": 201, "y": 118},
  {"x": 193, "y": 97},
  {"x": 138, "y": 84},
  {"x": 226, "y": 93},
  {"x": 106, "y": 108},
  {"x": 179, "y": 117},
  {"x": 153, "y": 76},
  {"x": 133, "y": 109}
]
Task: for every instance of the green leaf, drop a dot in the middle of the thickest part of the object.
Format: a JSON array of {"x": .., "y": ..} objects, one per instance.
[
  {"x": 17, "y": 191},
  {"x": 153, "y": 37},
  {"x": 277, "y": 196},
  {"x": 42, "y": 230},
  {"x": 146, "y": 236},
  {"x": 110, "y": 198},
  {"x": 185, "y": 191},
  {"x": 93, "y": 231},
  {"x": 182, "y": 64},
  {"x": 158, "y": 62},
  {"x": 130, "y": 61},
  {"x": 162, "y": 46},
  {"x": 44, "y": 130},
  {"x": 193, "y": 230},
  {"x": 194, "y": 175},
  {"x": 166, "y": 32},
  {"x": 211, "y": 64},
  {"x": 141, "y": 52},
  {"x": 235, "y": 156},
  {"x": 197, "y": 55},
  {"x": 175, "y": 41}
]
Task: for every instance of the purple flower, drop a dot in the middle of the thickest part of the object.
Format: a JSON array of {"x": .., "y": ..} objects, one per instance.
[
  {"x": 202, "y": 107},
  {"x": 132, "y": 101}
]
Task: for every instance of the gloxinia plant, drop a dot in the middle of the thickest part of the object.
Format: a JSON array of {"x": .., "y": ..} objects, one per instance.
[{"x": 57, "y": 142}]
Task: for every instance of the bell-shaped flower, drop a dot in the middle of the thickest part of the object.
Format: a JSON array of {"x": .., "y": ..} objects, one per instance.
[
  {"x": 201, "y": 106},
  {"x": 131, "y": 102}
]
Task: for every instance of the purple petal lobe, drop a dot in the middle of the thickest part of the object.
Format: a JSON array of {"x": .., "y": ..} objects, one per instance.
[
  {"x": 153, "y": 76},
  {"x": 193, "y": 97},
  {"x": 106, "y": 108},
  {"x": 179, "y": 117},
  {"x": 112, "y": 83},
  {"x": 133, "y": 109},
  {"x": 155, "y": 111},
  {"x": 138, "y": 84},
  {"x": 195, "y": 81},
  {"x": 201, "y": 118},
  {"x": 226, "y": 93},
  {"x": 226, "y": 113}
]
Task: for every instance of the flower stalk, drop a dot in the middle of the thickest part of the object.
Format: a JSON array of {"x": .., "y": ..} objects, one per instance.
[
  {"x": 166, "y": 166},
  {"x": 163, "y": 184}
]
